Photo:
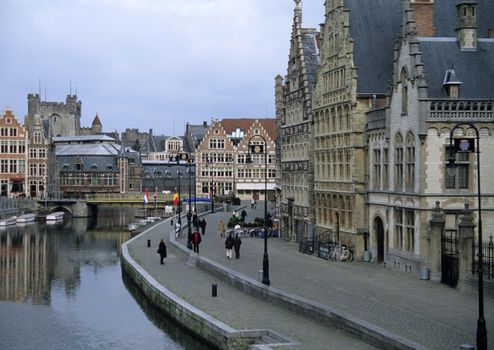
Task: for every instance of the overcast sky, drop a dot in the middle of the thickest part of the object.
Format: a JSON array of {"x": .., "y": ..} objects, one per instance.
[{"x": 148, "y": 63}]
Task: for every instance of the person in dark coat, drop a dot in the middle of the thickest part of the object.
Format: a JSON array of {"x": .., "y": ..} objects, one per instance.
[
  {"x": 196, "y": 240},
  {"x": 229, "y": 246},
  {"x": 243, "y": 214},
  {"x": 203, "y": 226},
  {"x": 162, "y": 251},
  {"x": 195, "y": 219},
  {"x": 236, "y": 245}
]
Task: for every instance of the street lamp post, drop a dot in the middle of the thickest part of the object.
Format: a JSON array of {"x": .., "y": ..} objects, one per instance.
[
  {"x": 179, "y": 205},
  {"x": 208, "y": 161},
  {"x": 465, "y": 145},
  {"x": 189, "y": 215},
  {"x": 262, "y": 149}
]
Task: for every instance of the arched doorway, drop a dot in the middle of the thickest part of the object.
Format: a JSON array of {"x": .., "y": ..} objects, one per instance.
[{"x": 379, "y": 232}]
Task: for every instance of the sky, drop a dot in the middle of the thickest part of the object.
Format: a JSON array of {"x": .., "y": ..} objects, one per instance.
[{"x": 148, "y": 64}]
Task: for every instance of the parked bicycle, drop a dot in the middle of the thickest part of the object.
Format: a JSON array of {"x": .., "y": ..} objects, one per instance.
[{"x": 306, "y": 246}]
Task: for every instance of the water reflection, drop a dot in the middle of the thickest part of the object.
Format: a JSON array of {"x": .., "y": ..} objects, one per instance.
[{"x": 62, "y": 285}]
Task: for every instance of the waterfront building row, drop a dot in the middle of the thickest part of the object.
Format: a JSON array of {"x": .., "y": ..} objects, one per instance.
[{"x": 393, "y": 79}]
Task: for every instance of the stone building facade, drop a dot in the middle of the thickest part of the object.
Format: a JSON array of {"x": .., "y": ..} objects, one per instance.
[
  {"x": 63, "y": 119},
  {"x": 294, "y": 119},
  {"x": 355, "y": 61},
  {"x": 441, "y": 81}
]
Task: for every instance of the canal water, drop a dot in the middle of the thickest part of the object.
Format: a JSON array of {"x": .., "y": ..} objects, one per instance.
[{"x": 61, "y": 287}]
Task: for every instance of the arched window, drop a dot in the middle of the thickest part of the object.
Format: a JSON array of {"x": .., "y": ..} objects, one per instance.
[
  {"x": 404, "y": 91},
  {"x": 398, "y": 162}
]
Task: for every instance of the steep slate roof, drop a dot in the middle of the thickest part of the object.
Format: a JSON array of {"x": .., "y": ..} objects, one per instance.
[
  {"x": 311, "y": 56},
  {"x": 445, "y": 17},
  {"x": 473, "y": 68},
  {"x": 197, "y": 132},
  {"x": 269, "y": 124},
  {"x": 374, "y": 27}
]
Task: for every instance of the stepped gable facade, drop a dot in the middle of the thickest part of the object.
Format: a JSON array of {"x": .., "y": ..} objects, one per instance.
[
  {"x": 355, "y": 66},
  {"x": 294, "y": 119}
]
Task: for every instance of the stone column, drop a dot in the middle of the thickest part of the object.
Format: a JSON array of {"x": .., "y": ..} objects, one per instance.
[
  {"x": 437, "y": 223},
  {"x": 465, "y": 248}
]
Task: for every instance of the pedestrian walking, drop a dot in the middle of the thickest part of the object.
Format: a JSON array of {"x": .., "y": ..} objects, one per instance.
[
  {"x": 178, "y": 228},
  {"x": 243, "y": 214},
  {"x": 162, "y": 251},
  {"x": 195, "y": 219},
  {"x": 229, "y": 246},
  {"x": 196, "y": 240},
  {"x": 252, "y": 203},
  {"x": 203, "y": 226},
  {"x": 221, "y": 228},
  {"x": 236, "y": 245}
]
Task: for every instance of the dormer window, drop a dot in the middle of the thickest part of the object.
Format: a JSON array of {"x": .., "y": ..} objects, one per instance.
[
  {"x": 452, "y": 84},
  {"x": 65, "y": 166},
  {"x": 94, "y": 167},
  {"x": 109, "y": 167}
]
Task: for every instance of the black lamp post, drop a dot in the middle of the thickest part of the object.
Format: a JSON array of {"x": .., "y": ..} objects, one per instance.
[
  {"x": 262, "y": 149},
  {"x": 466, "y": 144},
  {"x": 189, "y": 215},
  {"x": 179, "y": 209},
  {"x": 208, "y": 161}
]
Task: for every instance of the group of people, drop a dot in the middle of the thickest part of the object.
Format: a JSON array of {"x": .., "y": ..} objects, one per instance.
[{"x": 232, "y": 242}]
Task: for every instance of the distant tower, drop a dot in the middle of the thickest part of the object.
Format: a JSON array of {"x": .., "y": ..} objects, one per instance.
[
  {"x": 63, "y": 119},
  {"x": 96, "y": 127}
]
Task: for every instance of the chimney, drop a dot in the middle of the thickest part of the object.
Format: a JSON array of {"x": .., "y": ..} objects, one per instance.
[
  {"x": 466, "y": 29},
  {"x": 424, "y": 17}
]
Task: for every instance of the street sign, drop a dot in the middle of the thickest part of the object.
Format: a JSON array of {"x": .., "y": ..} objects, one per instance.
[{"x": 465, "y": 145}]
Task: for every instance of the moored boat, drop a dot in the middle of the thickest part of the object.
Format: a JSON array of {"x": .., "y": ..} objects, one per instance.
[
  {"x": 26, "y": 218},
  {"x": 58, "y": 215},
  {"x": 9, "y": 221}
]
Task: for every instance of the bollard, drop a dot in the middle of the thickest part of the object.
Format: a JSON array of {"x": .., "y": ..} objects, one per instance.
[
  {"x": 171, "y": 222},
  {"x": 149, "y": 243},
  {"x": 214, "y": 290}
]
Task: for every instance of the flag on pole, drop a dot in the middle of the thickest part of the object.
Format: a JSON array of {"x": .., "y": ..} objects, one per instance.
[
  {"x": 175, "y": 198},
  {"x": 146, "y": 198}
]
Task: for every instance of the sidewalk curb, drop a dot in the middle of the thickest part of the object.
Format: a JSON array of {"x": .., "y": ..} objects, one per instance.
[
  {"x": 363, "y": 330},
  {"x": 193, "y": 319}
]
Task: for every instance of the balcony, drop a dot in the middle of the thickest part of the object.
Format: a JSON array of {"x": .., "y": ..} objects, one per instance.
[{"x": 453, "y": 110}]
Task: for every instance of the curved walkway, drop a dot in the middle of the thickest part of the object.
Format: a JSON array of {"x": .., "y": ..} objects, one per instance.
[{"x": 427, "y": 314}]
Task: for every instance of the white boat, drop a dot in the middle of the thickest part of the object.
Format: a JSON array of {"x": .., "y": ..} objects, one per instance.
[
  {"x": 58, "y": 215},
  {"x": 26, "y": 218},
  {"x": 9, "y": 221},
  {"x": 132, "y": 226}
]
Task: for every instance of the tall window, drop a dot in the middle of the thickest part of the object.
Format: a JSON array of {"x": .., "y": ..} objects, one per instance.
[
  {"x": 399, "y": 228},
  {"x": 458, "y": 179},
  {"x": 377, "y": 168},
  {"x": 410, "y": 163},
  {"x": 399, "y": 162},
  {"x": 410, "y": 225},
  {"x": 37, "y": 137},
  {"x": 404, "y": 91},
  {"x": 385, "y": 168},
  {"x": 216, "y": 143}
]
